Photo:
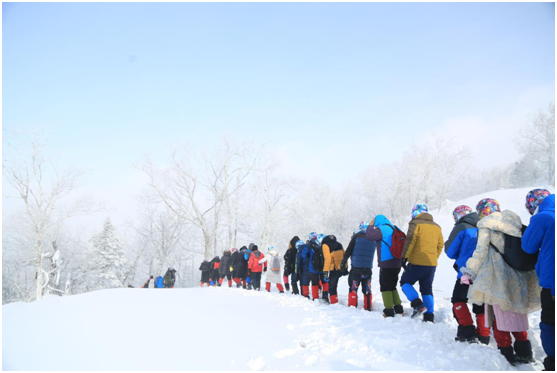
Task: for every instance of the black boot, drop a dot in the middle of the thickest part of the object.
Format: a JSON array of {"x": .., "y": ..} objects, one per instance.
[
  {"x": 428, "y": 317},
  {"x": 295, "y": 289},
  {"x": 523, "y": 351},
  {"x": 399, "y": 310},
  {"x": 549, "y": 363},
  {"x": 508, "y": 353},
  {"x": 389, "y": 312},
  {"x": 325, "y": 296},
  {"x": 466, "y": 334},
  {"x": 483, "y": 339},
  {"x": 418, "y": 307},
  {"x": 287, "y": 286}
]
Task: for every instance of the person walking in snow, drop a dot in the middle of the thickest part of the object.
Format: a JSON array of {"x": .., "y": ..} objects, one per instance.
[
  {"x": 540, "y": 237},
  {"x": 255, "y": 268},
  {"x": 423, "y": 246},
  {"x": 460, "y": 246},
  {"x": 302, "y": 266},
  {"x": 151, "y": 282},
  {"x": 159, "y": 282},
  {"x": 234, "y": 266},
  {"x": 333, "y": 252},
  {"x": 361, "y": 251},
  {"x": 242, "y": 266},
  {"x": 274, "y": 265},
  {"x": 224, "y": 268},
  {"x": 290, "y": 266},
  {"x": 215, "y": 275},
  {"x": 316, "y": 267},
  {"x": 169, "y": 278},
  {"x": 381, "y": 231},
  {"x": 509, "y": 294},
  {"x": 205, "y": 269}
]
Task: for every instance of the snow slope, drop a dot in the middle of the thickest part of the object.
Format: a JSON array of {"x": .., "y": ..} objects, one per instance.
[{"x": 235, "y": 329}]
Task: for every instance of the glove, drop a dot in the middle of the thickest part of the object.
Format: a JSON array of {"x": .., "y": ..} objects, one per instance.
[
  {"x": 249, "y": 272},
  {"x": 265, "y": 269},
  {"x": 404, "y": 262},
  {"x": 231, "y": 269},
  {"x": 466, "y": 280},
  {"x": 326, "y": 277}
]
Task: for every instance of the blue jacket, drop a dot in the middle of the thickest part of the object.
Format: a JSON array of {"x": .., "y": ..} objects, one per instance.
[
  {"x": 540, "y": 235},
  {"x": 463, "y": 240},
  {"x": 385, "y": 258},
  {"x": 158, "y": 282},
  {"x": 303, "y": 259},
  {"x": 361, "y": 250}
]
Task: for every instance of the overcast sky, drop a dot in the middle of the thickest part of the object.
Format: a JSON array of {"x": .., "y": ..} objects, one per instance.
[{"x": 331, "y": 87}]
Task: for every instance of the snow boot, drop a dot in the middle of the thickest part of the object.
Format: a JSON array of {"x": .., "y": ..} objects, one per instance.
[
  {"x": 483, "y": 339},
  {"x": 295, "y": 289},
  {"x": 466, "y": 334},
  {"x": 367, "y": 302},
  {"x": 305, "y": 291},
  {"x": 238, "y": 285},
  {"x": 418, "y": 307},
  {"x": 399, "y": 310},
  {"x": 220, "y": 282},
  {"x": 314, "y": 292},
  {"x": 268, "y": 286},
  {"x": 523, "y": 351},
  {"x": 482, "y": 331},
  {"x": 428, "y": 317},
  {"x": 353, "y": 299},
  {"x": 325, "y": 296},
  {"x": 389, "y": 312},
  {"x": 229, "y": 283},
  {"x": 249, "y": 287},
  {"x": 280, "y": 288},
  {"x": 334, "y": 299},
  {"x": 549, "y": 363},
  {"x": 508, "y": 353},
  {"x": 287, "y": 286}
]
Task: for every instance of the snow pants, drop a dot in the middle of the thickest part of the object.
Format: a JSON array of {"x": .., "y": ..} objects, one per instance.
[
  {"x": 303, "y": 277},
  {"x": 228, "y": 276},
  {"x": 255, "y": 279},
  {"x": 356, "y": 277},
  {"x": 547, "y": 328},
  {"x": 424, "y": 275},
  {"x": 462, "y": 314},
  {"x": 318, "y": 279},
  {"x": 388, "y": 278},
  {"x": 334, "y": 276}
]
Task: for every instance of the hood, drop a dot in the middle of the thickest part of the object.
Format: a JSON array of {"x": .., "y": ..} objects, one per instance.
[
  {"x": 424, "y": 216},
  {"x": 506, "y": 222},
  {"x": 548, "y": 204},
  {"x": 227, "y": 253},
  {"x": 216, "y": 259},
  {"x": 243, "y": 248},
  {"x": 381, "y": 220},
  {"x": 293, "y": 242},
  {"x": 471, "y": 219},
  {"x": 329, "y": 240}
]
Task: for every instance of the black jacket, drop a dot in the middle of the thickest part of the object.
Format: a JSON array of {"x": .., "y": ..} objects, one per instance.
[
  {"x": 242, "y": 263},
  {"x": 234, "y": 263},
  {"x": 290, "y": 257},
  {"x": 225, "y": 262}
]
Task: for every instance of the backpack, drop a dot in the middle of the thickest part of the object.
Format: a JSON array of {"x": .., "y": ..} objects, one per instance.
[
  {"x": 514, "y": 256},
  {"x": 397, "y": 242},
  {"x": 275, "y": 264},
  {"x": 317, "y": 260}
]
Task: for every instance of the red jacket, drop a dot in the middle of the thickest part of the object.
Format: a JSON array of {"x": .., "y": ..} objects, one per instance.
[{"x": 254, "y": 264}]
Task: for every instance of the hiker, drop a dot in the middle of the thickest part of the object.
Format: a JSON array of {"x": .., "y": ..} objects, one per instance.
[
  {"x": 423, "y": 246},
  {"x": 302, "y": 266},
  {"x": 224, "y": 268},
  {"x": 290, "y": 266},
  {"x": 361, "y": 251},
  {"x": 151, "y": 282},
  {"x": 234, "y": 267},
  {"x": 241, "y": 267},
  {"x": 205, "y": 269},
  {"x": 540, "y": 237},
  {"x": 333, "y": 252},
  {"x": 381, "y": 231},
  {"x": 215, "y": 275},
  {"x": 316, "y": 267},
  {"x": 460, "y": 246},
  {"x": 169, "y": 278},
  {"x": 509, "y": 294},
  {"x": 159, "y": 282},
  {"x": 255, "y": 268},
  {"x": 272, "y": 260}
]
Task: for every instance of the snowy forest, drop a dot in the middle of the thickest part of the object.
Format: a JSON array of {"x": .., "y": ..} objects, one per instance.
[{"x": 199, "y": 202}]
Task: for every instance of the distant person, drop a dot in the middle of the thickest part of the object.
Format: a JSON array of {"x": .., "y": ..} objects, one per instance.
[
  {"x": 169, "y": 278},
  {"x": 361, "y": 252},
  {"x": 509, "y": 295},
  {"x": 333, "y": 252},
  {"x": 205, "y": 269},
  {"x": 274, "y": 270},
  {"x": 215, "y": 275},
  {"x": 151, "y": 282},
  {"x": 290, "y": 266},
  {"x": 381, "y": 231},
  {"x": 316, "y": 267},
  {"x": 130, "y": 286},
  {"x": 224, "y": 268},
  {"x": 255, "y": 268},
  {"x": 242, "y": 266},
  {"x": 423, "y": 246},
  {"x": 234, "y": 267},
  {"x": 302, "y": 266},
  {"x": 540, "y": 237},
  {"x": 460, "y": 246},
  {"x": 159, "y": 282}
]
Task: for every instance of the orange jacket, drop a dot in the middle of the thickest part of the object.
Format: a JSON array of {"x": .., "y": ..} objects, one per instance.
[{"x": 254, "y": 264}]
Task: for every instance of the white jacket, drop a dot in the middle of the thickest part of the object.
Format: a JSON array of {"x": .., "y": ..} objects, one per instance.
[{"x": 274, "y": 278}]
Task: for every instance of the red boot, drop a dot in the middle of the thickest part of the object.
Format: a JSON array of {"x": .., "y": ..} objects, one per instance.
[
  {"x": 462, "y": 313},
  {"x": 229, "y": 283},
  {"x": 220, "y": 281},
  {"x": 280, "y": 288},
  {"x": 305, "y": 291},
  {"x": 353, "y": 299},
  {"x": 315, "y": 292},
  {"x": 268, "y": 286},
  {"x": 334, "y": 299},
  {"x": 201, "y": 284},
  {"x": 367, "y": 302}
]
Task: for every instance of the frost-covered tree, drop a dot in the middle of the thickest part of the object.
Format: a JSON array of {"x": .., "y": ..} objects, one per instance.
[{"x": 105, "y": 263}]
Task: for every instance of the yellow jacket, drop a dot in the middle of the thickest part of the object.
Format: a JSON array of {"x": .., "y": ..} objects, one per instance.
[
  {"x": 424, "y": 241},
  {"x": 332, "y": 259}
]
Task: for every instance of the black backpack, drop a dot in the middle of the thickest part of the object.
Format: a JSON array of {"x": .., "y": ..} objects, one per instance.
[
  {"x": 317, "y": 260},
  {"x": 514, "y": 256}
]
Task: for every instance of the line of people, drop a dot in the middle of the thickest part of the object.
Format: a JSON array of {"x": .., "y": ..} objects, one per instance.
[
  {"x": 494, "y": 255},
  {"x": 166, "y": 281}
]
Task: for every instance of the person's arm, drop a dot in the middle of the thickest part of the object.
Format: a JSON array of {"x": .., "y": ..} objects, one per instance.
[
  {"x": 475, "y": 262},
  {"x": 326, "y": 257},
  {"x": 349, "y": 249},
  {"x": 411, "y": 237},
  {"x": 533, "y": 237},
  {"x": 455, "y": 235},
  {"x": 373, "y": 233},
  {"x": 440, "y": 243}
]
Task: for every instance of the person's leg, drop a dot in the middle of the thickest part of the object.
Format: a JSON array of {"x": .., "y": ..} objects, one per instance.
[
  {"x": 280, "y": 288},
  {"x": 482, "y": 330},
  {"x": 286, "y": 284},
  {"x": 547, "y": 328},
  {"x": 354, "y": 278},
  {"x": 504, "y": 343},
  {"x": 268, "y": 286},
  {"x": 294, "y": 281},
  {"x": 314, "y": 277},
  {"x": 408, "y": 279},
  {"x": 325, "y": 292},
  {"x": 334, "y": 276},
  {"x": 426, "y": 289},
  {"x": 366, "y": 290},
  {"x": 466, "y": 331},
  {"x": 386, "y": 287},
  {"x": 304, "y": 282}
]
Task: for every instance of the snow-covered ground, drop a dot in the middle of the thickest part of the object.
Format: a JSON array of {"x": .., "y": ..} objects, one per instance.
[{"x": 235, "y": 329}]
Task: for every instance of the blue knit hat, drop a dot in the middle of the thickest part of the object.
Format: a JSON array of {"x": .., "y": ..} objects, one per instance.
[{"x": 418, "y": 209}]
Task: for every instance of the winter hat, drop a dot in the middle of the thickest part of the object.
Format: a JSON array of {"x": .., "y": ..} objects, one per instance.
[
  {"x": 460, "y": 212},
  {"x": 418, "y": 209},
  {"x": 254, "y": 248},
  {"x": 534, "y": 198},
  {"x": 312, "y": 236},
  {"x": 363, "y": 226},
  {"x": 487, "y": 206},
  {"x": 234, "y": 249},
  {"x": 299, "y": 243},
  {"x": 320, "y": 238}
]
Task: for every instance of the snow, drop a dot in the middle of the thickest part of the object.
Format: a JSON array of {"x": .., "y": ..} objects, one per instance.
[{"x": 235, "y": 329}]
